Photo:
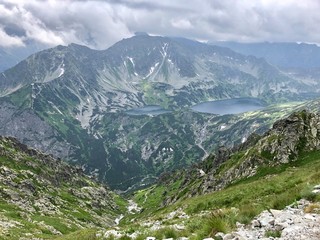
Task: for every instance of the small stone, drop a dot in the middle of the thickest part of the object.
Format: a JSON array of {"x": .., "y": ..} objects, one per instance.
[
  {"x": 220, "y": 235},
  {"x": 228, "y": 236},
  {"x": 239, "y": 225},
  {"x": 279, "y": 227},
  {"x": 275, "y": 212},
  {"x": 256, "y": 223},
  {"x": 150, "y": 238},
  {"x": 316, "y": 187},
  {"x": 179, "y": 227},
  {"x": 134, "y": 235},
  {"x": 316, "y": 191},
  {"x": 266, "y": 219}
]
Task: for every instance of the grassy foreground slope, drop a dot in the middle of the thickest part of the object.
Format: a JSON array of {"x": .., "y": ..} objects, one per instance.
[{"x": 272, "y": 188}]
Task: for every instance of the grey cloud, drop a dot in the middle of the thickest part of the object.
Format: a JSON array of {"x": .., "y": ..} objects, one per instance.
[{"x": 14, "y": 30}]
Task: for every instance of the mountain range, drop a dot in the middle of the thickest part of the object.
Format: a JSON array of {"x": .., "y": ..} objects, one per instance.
[{"x": 71, "y": 101}]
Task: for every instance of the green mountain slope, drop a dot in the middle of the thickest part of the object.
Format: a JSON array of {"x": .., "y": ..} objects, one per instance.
[
  {"x": 125, "y": 150},
  {"x": 147, "y": 146},
  {"x": 287, "y": 141},
  {"x": 42, "y": 197}
]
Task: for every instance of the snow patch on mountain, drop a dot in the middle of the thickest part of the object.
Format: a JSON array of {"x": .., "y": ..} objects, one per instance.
[
  {"x": 53, "y": 75},
  {"x": 152, "y": 69}
]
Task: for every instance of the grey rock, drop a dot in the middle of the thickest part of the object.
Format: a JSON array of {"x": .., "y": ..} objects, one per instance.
[
  {"x": 316, "y": 187},
  {"x": 219, "y": 235},
  {"x": 150, "y": 238},
  {"x": 256, "y": 223}
]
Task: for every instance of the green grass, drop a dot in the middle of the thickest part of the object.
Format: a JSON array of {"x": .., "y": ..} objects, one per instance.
[
  {"x": 55, "y": 222},
  {"x": 150, "y": 203},
  {"x": 81, "y": 215},
  {"x": 86, "y": 234},
  {"x": 234, "y": 161},
  {"x": 68, "y": 197},
  {"x": 121, "y": 202},
  {"x": 273, "y": 233}
]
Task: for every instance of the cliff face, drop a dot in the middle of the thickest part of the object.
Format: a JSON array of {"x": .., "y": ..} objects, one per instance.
[{"x": 42, "y": 196}]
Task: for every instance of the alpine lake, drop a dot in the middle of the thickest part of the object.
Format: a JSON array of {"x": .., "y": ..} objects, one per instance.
[{"x": 219, "y": 107}]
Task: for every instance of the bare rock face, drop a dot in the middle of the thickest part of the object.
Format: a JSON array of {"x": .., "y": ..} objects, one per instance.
[
  {"x": 288, "y": 137},
  {"x": 31, "y": 130}
]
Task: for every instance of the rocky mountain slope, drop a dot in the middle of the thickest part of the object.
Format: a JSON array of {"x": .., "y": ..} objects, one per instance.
[
  {"x": 125, "y": 151},
  {"x": 297, "y": 221},
  {"x": 75, "y": 98},
  {"x": 144, "y": 70},
  {"x": 173, "y": 140},
  {"x": 266, "y": 187},
  {"x": 42, "y": 197},
  {"x": 283, "y": 144}
]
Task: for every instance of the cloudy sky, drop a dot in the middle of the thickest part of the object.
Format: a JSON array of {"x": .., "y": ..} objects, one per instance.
[{"x": 99, "y": 24}]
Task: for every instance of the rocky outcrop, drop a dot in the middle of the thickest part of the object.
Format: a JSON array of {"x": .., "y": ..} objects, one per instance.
[
  {"x": 298, "y": 133},
  {"x": 295, "y": 222},
  {"x": 288, "y": 137}
]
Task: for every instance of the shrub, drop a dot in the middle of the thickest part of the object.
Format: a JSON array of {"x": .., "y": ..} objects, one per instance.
[
  {"x": 246, "y": 214},
  {"x": 214, "y": 224},
  {"x": 194, "y": 225},
  {"x": 170, "y": 233}
]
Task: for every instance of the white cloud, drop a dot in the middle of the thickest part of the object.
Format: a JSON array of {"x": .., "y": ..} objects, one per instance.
[
  {"x": 181, "y": 23},
  {"x": 8, "y": 41},
  {"x": 99, "y": 24}
]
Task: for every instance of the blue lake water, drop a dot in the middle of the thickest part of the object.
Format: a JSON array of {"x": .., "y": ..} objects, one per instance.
[
  {"x": 229, "y": 106},
  {"x": 148, "y": 110}
]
